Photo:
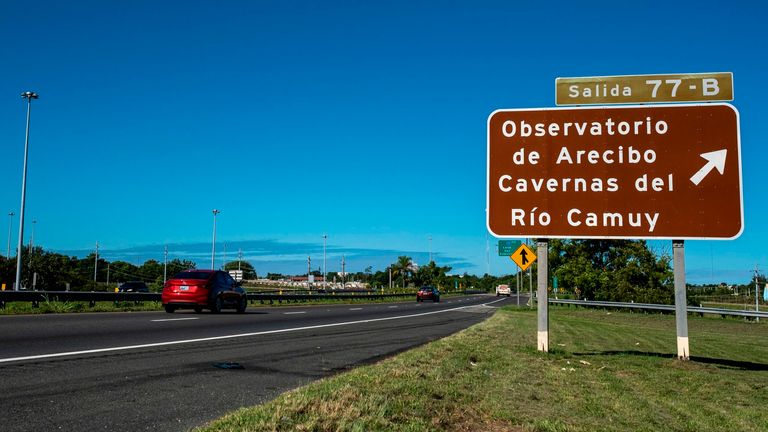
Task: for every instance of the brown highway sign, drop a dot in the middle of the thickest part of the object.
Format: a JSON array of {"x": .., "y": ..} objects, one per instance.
[{"x": 655, "y": 172}]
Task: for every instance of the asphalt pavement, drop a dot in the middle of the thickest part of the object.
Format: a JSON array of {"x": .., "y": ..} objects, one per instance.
[{"x": 133, "y": 371}]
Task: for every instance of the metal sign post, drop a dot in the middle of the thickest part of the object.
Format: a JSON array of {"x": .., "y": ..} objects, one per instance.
[
  {"x": 543, "y": 304},
  {"x": 530, "y": 277},
  {"x": 681, "y": 304}
]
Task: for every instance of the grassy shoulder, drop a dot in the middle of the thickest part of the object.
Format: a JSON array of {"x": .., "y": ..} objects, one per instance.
[
  {"x": 46, "y": 307},
  {"x": 606, "y": 372}
]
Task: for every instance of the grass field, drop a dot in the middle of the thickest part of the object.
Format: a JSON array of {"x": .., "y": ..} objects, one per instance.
[{"x": 608, "y": 371}]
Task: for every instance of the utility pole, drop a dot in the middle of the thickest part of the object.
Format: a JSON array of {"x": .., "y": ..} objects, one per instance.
[
  {"x": 10, "y": 224},
  {"x": 757, "y": 294},
  {"x": 165, "y": 264},
  {"x": 239, "y": 258},
  {"x": 343, "y": 273},
  {"x": 325, "y": 274},
  {"x": 213, "y": 248},
  {"x": 390, "y": 278},
  {"x": 430, "y": 249},
  {"x": 108, "y": 263},
  {"x": 487, "y": 256},
  {"x": 96, "y": 262},
  {"x": 309, "y": 270},
  {"x": 32, "y": 239},
  {"x": 32, "y": 254}
]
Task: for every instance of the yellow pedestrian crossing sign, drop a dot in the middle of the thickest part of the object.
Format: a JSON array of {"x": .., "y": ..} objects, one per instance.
[{"x": 523, "y": 257}]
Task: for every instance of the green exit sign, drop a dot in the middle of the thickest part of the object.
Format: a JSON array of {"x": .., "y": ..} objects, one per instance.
[{"x": 508, "y": 247}]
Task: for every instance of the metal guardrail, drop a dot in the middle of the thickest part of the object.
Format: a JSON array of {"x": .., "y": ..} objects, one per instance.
[
  {"x": 660, "y": 307},
  {"x": 36, "y": 297}
]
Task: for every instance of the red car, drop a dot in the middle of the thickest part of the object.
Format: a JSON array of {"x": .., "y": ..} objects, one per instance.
[
  {"x": 203, "y": 289},
  {"x": 428, "y": 293}
]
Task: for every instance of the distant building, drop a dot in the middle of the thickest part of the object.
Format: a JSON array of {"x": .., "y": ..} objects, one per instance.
[{"x": 304, "y": 278}]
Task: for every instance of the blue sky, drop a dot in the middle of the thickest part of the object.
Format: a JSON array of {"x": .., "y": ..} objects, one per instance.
[{"x": 365, "y": 121}]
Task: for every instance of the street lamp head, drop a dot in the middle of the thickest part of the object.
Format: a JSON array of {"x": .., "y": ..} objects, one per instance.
[
  {"x": 29, "y": 95},
  {"x": 11, "y": 214},
  {"x": 215, "y": 212}
]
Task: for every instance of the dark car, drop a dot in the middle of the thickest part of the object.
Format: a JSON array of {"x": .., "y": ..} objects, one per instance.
[
  {"x": 133, "y": 286},
  {"x": 203, "y": 289},
  {"x": 428, "y": 293}
]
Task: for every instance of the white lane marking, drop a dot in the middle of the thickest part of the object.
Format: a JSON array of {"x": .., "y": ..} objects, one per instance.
[
  {"x": 174, "y": 319},
  {"x": 234, "y": 336},
  {"x": 293, "y": 313},
  {"x": 356, "y": 309},
  {"x": 392, "y": 307}
]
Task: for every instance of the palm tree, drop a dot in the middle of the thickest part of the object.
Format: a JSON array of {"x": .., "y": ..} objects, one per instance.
[{"x": 403, "y": 268}]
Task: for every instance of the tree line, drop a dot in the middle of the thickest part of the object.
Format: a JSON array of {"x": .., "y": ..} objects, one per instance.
[
  {"x": 613, "y": 270},
  {"x": 56, "y": 272}
]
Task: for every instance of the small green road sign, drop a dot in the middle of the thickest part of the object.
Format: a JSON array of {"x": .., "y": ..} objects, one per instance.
[{"x": 508, "y": 247}]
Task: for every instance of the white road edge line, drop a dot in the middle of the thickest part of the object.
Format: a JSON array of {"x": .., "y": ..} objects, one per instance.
[
  {"x": 174, "y": 319},
  {"x": 293, "y": 313},
  {"x": 235, "y": 336},
  {"x": 356, "y": 309}
]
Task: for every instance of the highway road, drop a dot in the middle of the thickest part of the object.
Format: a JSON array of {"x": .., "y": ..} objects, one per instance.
[{"x": 168, "y": 372}]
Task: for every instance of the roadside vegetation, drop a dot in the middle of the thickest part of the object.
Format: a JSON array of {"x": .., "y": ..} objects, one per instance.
[
  {"x": 607, "y": 371},
  {"x": 612, "y": 270}
]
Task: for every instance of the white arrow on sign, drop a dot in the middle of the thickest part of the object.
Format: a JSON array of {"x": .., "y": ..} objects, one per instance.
[{"x": 715, "y": 159}]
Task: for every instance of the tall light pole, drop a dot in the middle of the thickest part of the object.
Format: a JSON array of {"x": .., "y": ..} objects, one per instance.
[
  {"x": 325, "y": 275},
  {"x": 28, "y": 96},
  {"x": 165, "y": 264},
  {"x": 213, "y": 249},
  {"x": 10, "y": 224}
]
